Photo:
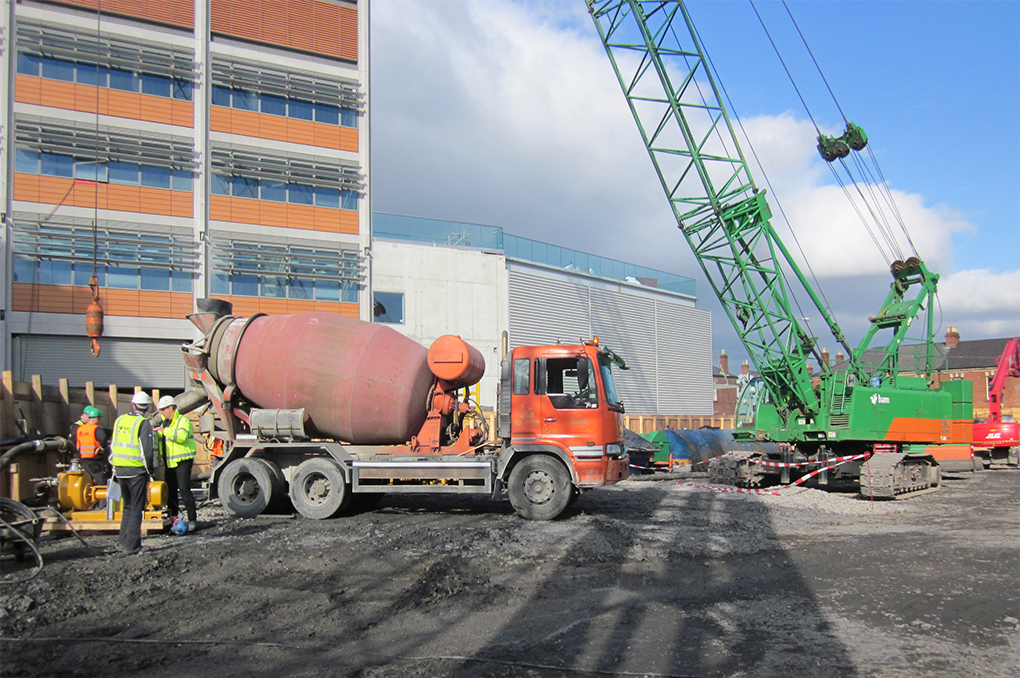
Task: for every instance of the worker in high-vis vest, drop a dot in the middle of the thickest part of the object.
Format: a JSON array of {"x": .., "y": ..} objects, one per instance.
[
  {"x": 179, "y": 445},
  {"x": 133, "y": 463},
  {"x": 90, "y": 441}
]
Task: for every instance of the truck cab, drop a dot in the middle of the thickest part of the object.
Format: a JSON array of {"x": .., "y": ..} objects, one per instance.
[{"x": 559, "y": 404}]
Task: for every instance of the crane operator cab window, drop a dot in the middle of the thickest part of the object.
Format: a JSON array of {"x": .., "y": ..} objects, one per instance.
[{"x": 570, "y": 383}]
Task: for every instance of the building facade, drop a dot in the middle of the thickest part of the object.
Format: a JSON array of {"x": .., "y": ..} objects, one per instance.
[
  {"x": 177, "y": 149},
  {"x": 498, "y": 291}
]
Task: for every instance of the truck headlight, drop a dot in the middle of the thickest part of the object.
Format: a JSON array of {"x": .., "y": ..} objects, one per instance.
[{"x": 615, "y": 450}]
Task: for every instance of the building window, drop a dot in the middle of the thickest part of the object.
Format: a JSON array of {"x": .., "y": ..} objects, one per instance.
[
  {"x": 284, "y": 271},
  {"x": 388, "y": 307},
  {"x": 85, "y": 73},
  {"x": 278, "y": 191},
  {"x": 111, "y": 171},
  {"x": 272, "y": 104}
]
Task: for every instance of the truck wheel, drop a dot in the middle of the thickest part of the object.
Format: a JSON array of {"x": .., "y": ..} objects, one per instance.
[
  {"x": 539, "y": 488},
  {"x": 319, "y": 490},
  {"x": 246, "y": 487},
  {"x": 279, "y": 502}
]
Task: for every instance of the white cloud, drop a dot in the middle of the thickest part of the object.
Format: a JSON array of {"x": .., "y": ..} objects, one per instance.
[
  {"x": 982, "y": 303},
  {"x": 509, "y": 114}
]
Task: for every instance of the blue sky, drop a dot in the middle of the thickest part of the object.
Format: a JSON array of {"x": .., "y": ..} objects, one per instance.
[{"x": 508, "y": 113}]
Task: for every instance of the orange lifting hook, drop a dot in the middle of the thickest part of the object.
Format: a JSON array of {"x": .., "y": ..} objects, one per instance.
[{"x": 94, "y": 317}]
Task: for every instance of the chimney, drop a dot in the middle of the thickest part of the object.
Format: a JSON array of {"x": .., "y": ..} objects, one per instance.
[
  {"x": 724, "y": 362},
  {"x": 952, "y": 336},
  {"x": 745, "y": 368},
  {"x": 810, "y": 368},
  {"x": 840, "y": 358},
  {"x": 825, "y": 359}
]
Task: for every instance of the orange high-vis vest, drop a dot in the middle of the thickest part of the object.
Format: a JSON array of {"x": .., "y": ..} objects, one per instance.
[{"x": 88, "y": 448}]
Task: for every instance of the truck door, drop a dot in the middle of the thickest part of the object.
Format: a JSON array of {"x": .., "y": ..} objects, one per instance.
[
  {"x": 569, "y": 397},
  {"x": 525, "y": 409}
]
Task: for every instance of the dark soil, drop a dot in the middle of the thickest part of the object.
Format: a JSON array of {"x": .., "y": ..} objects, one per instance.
[{"x": 647, "y": 578}]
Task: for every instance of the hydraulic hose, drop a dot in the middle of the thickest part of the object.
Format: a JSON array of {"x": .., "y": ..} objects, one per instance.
[{"x": 48, "y": 445}]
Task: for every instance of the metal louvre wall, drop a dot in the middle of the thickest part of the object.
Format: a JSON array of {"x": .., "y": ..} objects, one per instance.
[
  {"x": 626, "y": 324},
  {"x": 684, "y": 350},
  {"x": 667, "y": 346},
  {"x": 150, "y": 363},
  {"x": 544, "y": 310}
]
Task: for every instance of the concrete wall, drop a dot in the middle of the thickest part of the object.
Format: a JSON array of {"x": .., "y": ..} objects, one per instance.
[{"x": 448, "y": 290}]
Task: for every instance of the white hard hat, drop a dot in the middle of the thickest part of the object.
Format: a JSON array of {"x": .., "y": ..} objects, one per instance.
[
  {"x": 166, "y": 401},
  {"x": 141, "y": 399}
]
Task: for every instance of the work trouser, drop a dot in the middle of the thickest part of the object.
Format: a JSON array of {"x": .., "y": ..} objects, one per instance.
[
  {"x": 95, "y": 467},
  {"x": 133, "y": 491},
  {"x": 179, "y": 478}
]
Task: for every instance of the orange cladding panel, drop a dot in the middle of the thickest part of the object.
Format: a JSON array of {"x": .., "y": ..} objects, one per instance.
[
  {"x": 348, "y": 139},
  {"x": 273, "y": 26},
  {"x": 124, "y": 198},
  {"x": 54, "y": 190},
  {"x": 300, "y": 16},
  {"x": 56, "y": 93},
  {"x": 124, "y": 104},
  {"x": 326, "y": 136},
  {"x": 86, "y": 98},
  {"x": 348, "y": 221},
  {"x": 950, "y": 452},
  {"x": 155, "y": 200},
  {"x": 27, "y": 89},
  {"x": 182, "y": 113},
  {"x": 273, "y": 213},
  {"x": 219, "y": 208},
  {"x": 155, "y": 109},
  {"x": 327, "y": 28},
  {"x": 272, "y": 127},
  {"x": 120, "y": 302},
  {"x": 349, "y": 33},
  {"x": 300, "y": 306},
  {"x": 152, "y": 304},
  {"x": 26, "y": 187},
  {"x": 182, "y": 204},
  {"x": 326, "y": 219},
  {"x": 301, "y": 216},
  {"x": 244, "y": 210},
  {"x": 244, "y": 122},
  {"x": 219, "y": 119},
  {"x": 181, "y": 304},
  {"x": 300, "y": 132},
  {"x": 220, "y": 16}
]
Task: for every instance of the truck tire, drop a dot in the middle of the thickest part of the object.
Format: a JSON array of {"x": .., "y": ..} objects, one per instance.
[
  {"x": 319, "y": 490},
  {"x": 247, "y": 487},
  {"x": 280, "y": 501},
  {"x": 539, "y": 488}
]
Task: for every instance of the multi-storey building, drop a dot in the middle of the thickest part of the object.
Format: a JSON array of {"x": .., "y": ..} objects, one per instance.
[{"x": 177, "y": 149}]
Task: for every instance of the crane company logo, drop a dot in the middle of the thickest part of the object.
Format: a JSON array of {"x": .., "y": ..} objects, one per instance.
[
  {"x": 994, "y": 436},
  {"x": 879, "y": 399}
]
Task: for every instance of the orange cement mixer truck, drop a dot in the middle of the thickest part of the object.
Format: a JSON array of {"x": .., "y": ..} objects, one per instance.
[{"x": 329, "y": 413}]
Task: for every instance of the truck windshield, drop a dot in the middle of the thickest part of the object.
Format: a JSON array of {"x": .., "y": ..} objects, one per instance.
[{"x": 612, "y": 399}]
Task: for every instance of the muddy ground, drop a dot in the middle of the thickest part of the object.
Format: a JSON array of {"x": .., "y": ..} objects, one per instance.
[{"x": 647, "y": 578}]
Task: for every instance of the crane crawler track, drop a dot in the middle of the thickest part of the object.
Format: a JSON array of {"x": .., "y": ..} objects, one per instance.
[{"x": 899, "y": 476}]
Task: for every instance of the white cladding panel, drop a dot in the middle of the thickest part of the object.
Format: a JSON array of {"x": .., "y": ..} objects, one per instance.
[
  {"x": 151, "y": 363},
  {"x": 667, "y": 344}
]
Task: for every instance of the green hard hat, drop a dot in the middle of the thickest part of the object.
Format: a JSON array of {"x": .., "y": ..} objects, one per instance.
[{"x": 93, "y": 411}]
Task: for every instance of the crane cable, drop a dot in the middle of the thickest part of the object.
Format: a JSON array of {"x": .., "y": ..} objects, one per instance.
[
  {"x": 94, "y": 312},
  {"x": 878, "y": 223},
  {"x": 879, "y": 182}
]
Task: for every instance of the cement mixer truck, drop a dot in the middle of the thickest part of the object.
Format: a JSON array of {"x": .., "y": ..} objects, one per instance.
[{"x": 329, "y": 413}]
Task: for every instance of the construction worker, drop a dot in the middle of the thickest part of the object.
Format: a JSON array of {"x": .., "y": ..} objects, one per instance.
[
  {"x": 131, "y": 455},
  {"x": 179, "y": 443},
  {"x": 90, "y": 441}
]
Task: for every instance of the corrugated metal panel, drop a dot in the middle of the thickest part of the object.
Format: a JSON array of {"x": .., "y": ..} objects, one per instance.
[
  {"x": 668, "y": 346},
  {"x": 544, "y": 310},
  {"x": 151, "y": 363},
  {"x": 626, "y": 324},
  {"x": 684, "y": 350}
]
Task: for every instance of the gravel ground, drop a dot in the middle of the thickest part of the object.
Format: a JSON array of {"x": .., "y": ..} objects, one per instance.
[{"x": 662, "y": 577}]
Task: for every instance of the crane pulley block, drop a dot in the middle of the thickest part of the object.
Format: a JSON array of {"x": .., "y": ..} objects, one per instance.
[{"x": 832, "y": 148}]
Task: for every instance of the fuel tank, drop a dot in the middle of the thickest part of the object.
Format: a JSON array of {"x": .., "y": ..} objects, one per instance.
[{"x": 358, "y": 382}]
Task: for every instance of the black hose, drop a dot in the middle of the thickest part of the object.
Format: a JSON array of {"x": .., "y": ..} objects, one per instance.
[{"x": 48, "y": 445}]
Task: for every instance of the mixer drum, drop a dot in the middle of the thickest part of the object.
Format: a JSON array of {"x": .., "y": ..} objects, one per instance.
[{"x": 358, "y": 382}]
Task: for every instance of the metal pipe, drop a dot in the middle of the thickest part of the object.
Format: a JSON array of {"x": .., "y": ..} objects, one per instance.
[{"x": 48, "y": 445}]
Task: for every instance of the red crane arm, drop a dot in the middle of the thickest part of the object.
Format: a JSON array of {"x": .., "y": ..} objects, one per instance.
[{"x": 1008, "y": 366}]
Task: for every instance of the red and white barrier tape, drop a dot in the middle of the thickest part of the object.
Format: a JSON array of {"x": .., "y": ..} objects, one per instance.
[
  {"x": 840, "y": 463},
  {"x": 776, "y": 492},
  {"x": 779, "y": 464}
]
